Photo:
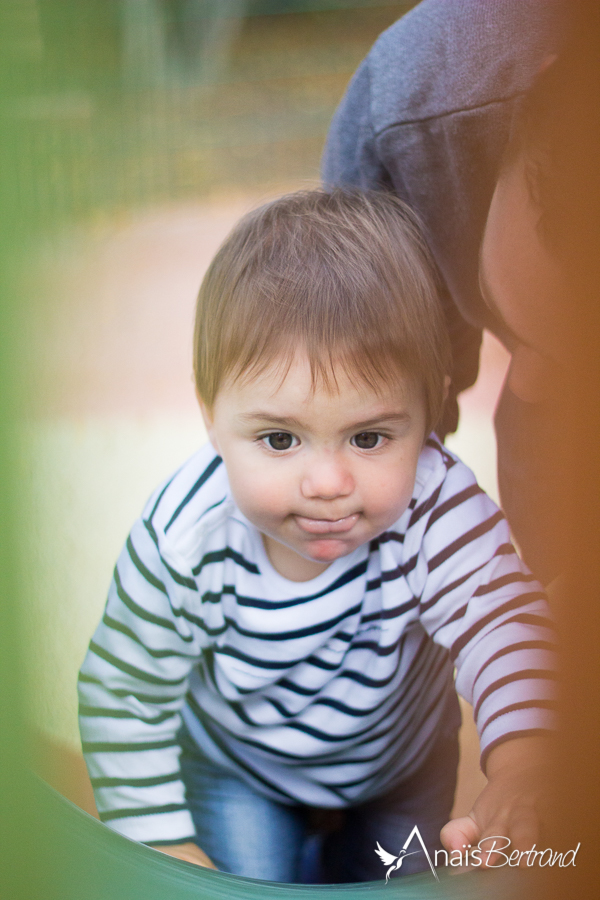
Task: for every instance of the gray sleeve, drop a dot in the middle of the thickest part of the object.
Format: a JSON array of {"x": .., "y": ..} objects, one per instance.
[
  {"x": 427, "y": 116},
  {"x": 350, "y": 157}
]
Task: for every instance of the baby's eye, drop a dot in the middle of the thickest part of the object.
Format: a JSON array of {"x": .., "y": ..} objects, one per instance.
[
  {"x": 367, "y": 440},
  {"x": 280, "y": 440}
]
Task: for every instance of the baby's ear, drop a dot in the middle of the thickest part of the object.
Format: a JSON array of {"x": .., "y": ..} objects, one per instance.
[{"x": 208, "y": 422}]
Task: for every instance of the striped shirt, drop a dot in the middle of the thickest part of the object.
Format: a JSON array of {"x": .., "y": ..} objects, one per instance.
[{"x": 322, "y": 692}]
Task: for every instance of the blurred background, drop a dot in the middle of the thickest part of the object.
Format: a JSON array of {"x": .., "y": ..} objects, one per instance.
[{"x": 138, "y": 131}]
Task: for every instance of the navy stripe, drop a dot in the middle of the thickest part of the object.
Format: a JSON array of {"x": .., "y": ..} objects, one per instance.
[
  {"x": 398, "y": 750},
  {"x": 101, "y": 712},
  {"x": 351, "y": 575},
  {"x": 514, "y": 707},
  {"x": 349, "y": 710},
  {"x": 465, "y": 539},
  {"x": 186, "y": 638},
  {"x": 107, "y": 782},
  {"x": 391, "y": 536},
  {"x": 449, "y": 588},
  {"x": 179, "y": 578},
  {"x": 142, "y": 569},
  {"x": 394, "y": 761},
  {"x": 217, "y": 556},
  {"x": 212, "y": 466},
  {"x": 535, "y": 619},
  {"x": 128, "y": 692},
  {"x": 514, "y": 648},
  {"x": 226, "y": 749},
  {"x": 401, "y": 571},
  {"x": 446, "y": 458},
  {"x": 515, "y": 603},
  {"x": 344, "y": 636},
  {"x": 503, "y": 550},
  {"x": 456, "y": 615},
  {"x": 397, "y": 611},
  {"x": 502, "y": 581},
  {"x": 132, "y": 670},
  {"x": 365, "y": 680},
  {"x": 254, "y": 661},
  {"x": 115, "y": 625},
  {"x": 452, "y": 503},
  {"x": 425, "y": 507},
  {"x": 414, "y": 703},
  {"x": 322, "y": 664},
  {"x": 140, "y": 811},
  {"x": 213, "y": 506},
  {"x": 128, "y": 747},
  {"x": 281, "y": 709},
  {"x": 241, "y": 713},
  {"x": 318, "y": 628},
  {"x": 137, "y": 610},
  {"x": 376, "y": 648},
  {"x": 521, "y": 675},
  {"x": 298, "y": 688},
  {"x": 162, "y": 493}
]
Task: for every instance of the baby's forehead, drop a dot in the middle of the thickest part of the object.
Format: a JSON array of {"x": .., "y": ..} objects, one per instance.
[
  {"x": 295, "y": 369},
  {"x": 290, "y": 389}
]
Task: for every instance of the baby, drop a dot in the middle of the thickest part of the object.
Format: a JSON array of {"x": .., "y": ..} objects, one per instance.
[{"x": 285, "y": 619}]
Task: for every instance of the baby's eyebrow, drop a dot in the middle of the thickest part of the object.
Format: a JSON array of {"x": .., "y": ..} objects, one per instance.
[
  {"x": 260, "y": 416},
  {"x": 385, "y": 418},
  {"x": 399, "y": 417}
]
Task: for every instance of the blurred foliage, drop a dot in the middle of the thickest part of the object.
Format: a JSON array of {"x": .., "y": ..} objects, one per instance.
[
  {"x": 122, "y": 103},
  {"x": 112, "y": 104}
]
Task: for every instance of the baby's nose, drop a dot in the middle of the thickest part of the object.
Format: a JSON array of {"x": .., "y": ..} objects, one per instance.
[{"x": 327, "y": 478}]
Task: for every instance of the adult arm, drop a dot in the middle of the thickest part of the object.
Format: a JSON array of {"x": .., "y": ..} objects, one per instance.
[{"x": 427, "y": 115}]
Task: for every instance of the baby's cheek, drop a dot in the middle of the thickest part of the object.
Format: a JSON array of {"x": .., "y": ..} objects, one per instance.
[
  {"x": 389, "y": 499},
  {"x": 261, "y": 500}
]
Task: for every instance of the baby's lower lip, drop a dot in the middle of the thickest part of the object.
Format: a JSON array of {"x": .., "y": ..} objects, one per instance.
[{"x": 327, "y": 526}]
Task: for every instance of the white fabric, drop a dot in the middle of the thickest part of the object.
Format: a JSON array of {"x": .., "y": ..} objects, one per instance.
[{"x": 322, "y": 692}]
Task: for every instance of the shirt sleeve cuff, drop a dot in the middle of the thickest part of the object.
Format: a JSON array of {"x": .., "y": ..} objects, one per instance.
[
  {"x": 156, "y": 828},
  {"x": 516, "y": 724}
]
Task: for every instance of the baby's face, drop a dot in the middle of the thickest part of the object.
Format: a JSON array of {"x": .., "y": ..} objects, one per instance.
[{"x": 317, "y": 473}]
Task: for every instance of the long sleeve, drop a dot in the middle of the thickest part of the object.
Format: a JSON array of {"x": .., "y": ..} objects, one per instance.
[
  {"x": 427, "y": 115},
  {"x": 479, "y": 600},
  {"x": 350, "y": 157},
  {"x": 131, "y": 688}
]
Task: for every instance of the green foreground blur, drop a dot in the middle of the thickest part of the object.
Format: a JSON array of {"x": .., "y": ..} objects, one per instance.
[
  {"x": 80, "y": 858},
  {"x": 101, "y": 111}
]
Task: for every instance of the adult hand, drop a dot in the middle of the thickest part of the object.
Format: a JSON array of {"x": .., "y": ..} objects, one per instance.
[{"x": 513, "y": 806}]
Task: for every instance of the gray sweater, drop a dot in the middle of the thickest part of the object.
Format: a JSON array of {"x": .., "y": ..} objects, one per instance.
[{"x": 428, "y": 115}]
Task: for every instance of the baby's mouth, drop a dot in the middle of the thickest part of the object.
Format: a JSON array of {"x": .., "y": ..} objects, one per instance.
[{"x": 327, "y": 526}]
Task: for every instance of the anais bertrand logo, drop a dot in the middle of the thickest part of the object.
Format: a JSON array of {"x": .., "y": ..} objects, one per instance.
[
  {"x": 394, "y": 862},
  {"x": 492, "y": 852}
]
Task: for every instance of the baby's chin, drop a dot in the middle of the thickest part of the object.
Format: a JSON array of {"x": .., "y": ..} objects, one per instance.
[{"x": 329, "y": 549}]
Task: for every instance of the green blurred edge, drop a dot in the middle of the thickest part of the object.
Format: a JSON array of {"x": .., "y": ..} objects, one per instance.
[
  {"x": 83, "y": 858},
  {"x": 48, "y": 847},
  {"x": 212, "y": 8}
]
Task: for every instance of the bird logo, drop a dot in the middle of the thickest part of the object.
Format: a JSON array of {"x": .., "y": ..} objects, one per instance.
[{"x": 391, "y": 860}]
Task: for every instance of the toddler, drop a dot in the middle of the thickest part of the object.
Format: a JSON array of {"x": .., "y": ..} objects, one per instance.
[{"x": 286, "y": 617}]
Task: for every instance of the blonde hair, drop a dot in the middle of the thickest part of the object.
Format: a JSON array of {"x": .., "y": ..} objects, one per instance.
[{"x": 343, "y": 275}]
